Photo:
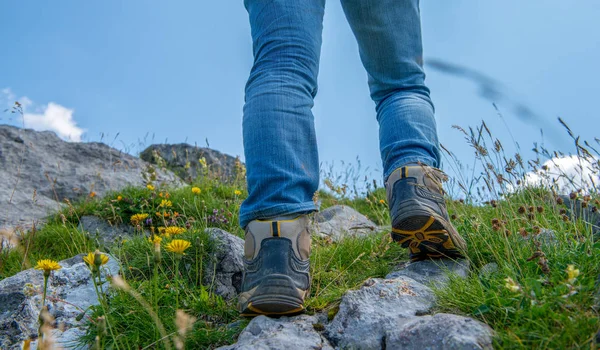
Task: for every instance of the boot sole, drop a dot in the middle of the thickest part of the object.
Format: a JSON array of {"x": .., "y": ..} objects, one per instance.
[
  {"x": 277, "y": 295},
  {"x": 431, "y": 240}
]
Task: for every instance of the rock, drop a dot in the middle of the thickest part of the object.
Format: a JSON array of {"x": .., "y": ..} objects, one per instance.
[
  {"x": 546, "y": 237},
  {"x": 38, "y": 171},
  {"x": 103, "y": 232},
  {"x": 291, "y": 333},
  {"x": 577, "y": 211},
  {"x": 340, "y": 221},
  {"x": 488, "y": 269},
  {"x": 227, "y": 275},
  {"x": 70, "y": 290},
  {"x": 177, "y": 156},
  {"x": 440, "y": 331},
  {"x": 433, "y": 272},
  {"x": 380, "y": 306}
]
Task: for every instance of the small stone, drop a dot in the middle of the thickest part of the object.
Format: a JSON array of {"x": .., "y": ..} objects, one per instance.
[
  {"x": 342, "y": 221},
  {"x": 227, "y": 268}
]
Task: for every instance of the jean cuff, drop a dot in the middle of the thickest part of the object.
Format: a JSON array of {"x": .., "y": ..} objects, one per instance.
[{"x": 277, "y": 210}]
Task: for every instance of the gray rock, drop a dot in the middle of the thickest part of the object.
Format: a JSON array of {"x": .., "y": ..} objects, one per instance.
[
  {"x": 368, "y": 314},
  {"x": 38, "y": 171},
  {"x": 488, "y": 269},
  {"x": 264, "y": 333},
  {"x": 227, "y": 267},
  {"x": 341, "y": 221},
  {"x": 577, "y": 211},
  {"x": 441, "y": 331},
  {"x": 70, "y": 290},
  {"x": 432, "y": 272},
  {"x": 103, "y": 232},
  {"x": 178, "y": 155}
]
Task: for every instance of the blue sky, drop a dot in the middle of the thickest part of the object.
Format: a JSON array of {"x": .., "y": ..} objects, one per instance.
[{"x": 154, "y": 71}]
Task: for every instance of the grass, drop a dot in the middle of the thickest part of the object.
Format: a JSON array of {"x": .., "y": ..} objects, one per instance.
[{"x": 530, "y": 299}]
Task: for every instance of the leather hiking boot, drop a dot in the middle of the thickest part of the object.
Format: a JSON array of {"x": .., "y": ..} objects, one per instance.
[
  {"x": 419, "y": 216},
  {"x": 276, "y": 267}
]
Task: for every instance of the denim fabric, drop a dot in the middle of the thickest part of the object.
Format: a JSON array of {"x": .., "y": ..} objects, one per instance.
[{"x": 278, "y": 126}]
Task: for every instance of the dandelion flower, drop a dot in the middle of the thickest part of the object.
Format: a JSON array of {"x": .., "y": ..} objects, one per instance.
[
  {"x": 92, "y": 194},
  {"x": 511, "y": 285},
  {"x": 178, "y": 246},
  {"x": 382, "y": 201},
  {"x": 237, "y": 192},
  {"x": 165, "y": 204},
  {"x": 174, "y": 230},
  {"x": 196, "y": 190},
  {"x": 572, "y": 273},
  {"x": 137, "y": 218},
  {"x": 95, "y": 259},
  {"x": 47, "y": 265},
  {"x": 161, "y": 229},
  {"x": 150, "y": 187},
  {"x": 163, "y": 214},
  {"x": 155, "y": 239},
  {"x": 119, "y": 198}
]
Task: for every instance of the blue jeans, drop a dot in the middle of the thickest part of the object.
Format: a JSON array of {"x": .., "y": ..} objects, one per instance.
[{"x": 278, "y": 126}]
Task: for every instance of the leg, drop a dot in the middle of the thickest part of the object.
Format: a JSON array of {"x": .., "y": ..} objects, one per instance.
[
  {"x": 389, "y": 40},
  {"x": 281, "y": 155},
  {"x": 278, "y": 126}
]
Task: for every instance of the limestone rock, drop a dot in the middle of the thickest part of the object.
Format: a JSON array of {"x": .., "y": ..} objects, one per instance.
[
  {"x": 183, "y": 159},
  {"x": 70, "y": 290},
  {"x": 229, "y": 251},
  {"x": 341, "y": 221},
  {"x": 291, "y": 333},
  {"x": 440, "y": 331},
  {"x": 103, "y": 232},
  {"x": 38, "y": 171},
  {"x": 432, "y": 271},
  {"x": 380, "y": 306},
  {"x": 577, "y": 211}
]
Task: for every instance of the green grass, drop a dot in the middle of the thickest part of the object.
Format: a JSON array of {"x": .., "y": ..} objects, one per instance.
[{"x": 545, "y": 311}]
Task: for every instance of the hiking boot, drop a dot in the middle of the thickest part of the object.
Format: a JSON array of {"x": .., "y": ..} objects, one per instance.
[
  {"x": 419, "y": 216},
  {"x": 276, "y": 267}
]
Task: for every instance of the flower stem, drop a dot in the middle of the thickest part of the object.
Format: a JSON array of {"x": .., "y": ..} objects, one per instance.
[{"x": 101, "y": 300}]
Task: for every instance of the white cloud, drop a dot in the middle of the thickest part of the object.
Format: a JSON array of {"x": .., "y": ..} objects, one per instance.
[
  {"x": 52, "y": 116},
  {"x": 567, "y": 174},
  {"x": 56, "y": 118}
]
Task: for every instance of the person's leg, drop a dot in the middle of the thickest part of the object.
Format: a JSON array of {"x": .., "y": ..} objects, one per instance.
[
  {"x": 278, "y": 126},
  {"x": 389, "y": 39},
  {"x": 281, "y": 155}
]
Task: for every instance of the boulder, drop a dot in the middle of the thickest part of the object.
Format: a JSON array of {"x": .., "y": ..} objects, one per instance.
[
  {"x": 183, "y": 159},
  {"x": 70, "y": 290},
  {"x": 103, "y": 232},
  {"x": 342, "y": 221},
  {"x": 378, "y": 307},
  {"x": 38, "y": 171},
  {"x": 440, "y": 331},
  {"x": 224, "y": 272},
  {"x": 291, "y": 333}
]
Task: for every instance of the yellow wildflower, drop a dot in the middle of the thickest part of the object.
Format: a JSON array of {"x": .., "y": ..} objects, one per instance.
[
  {"x": 92, "y": 194},
  {"x": 167, "y": 195},
  {"x": 119, "y": 197},
  {"x": 95, "y": 259},
  {"x": 155, "y": 239},
  {"x": 196, "y": 190},
  {"x": 160, "y": 194},
  {"x": 150, "y": 187},
  {"x": 47, "y": 265},
  {"x": 161, "y": 229},
  {"x": 137, "y": 218},
  {"x": 178, "y": 246},
  {"x": 165, "y": 204},
  {"x": 237, "y": 192},
  {"x": 163, "y": 214},
  {"x": 572, "y": 273},
  {"x": 511, "y": 285},
  {"x": 174, "y": 230},
  {"x": 382, "y": 201}
]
